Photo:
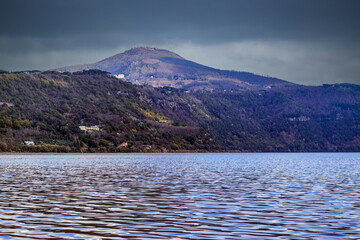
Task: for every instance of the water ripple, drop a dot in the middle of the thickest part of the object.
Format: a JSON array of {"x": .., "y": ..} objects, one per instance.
[{"x": 180, "y": 196}]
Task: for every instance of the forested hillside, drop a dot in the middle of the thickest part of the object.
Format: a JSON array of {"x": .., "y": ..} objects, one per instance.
[
  {"x": 48, "y": 109},
  {"x": 44, "y": 112},
  {"x": 301, "y": 118}
]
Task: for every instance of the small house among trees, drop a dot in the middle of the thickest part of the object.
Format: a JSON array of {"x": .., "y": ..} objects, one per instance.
[
  {"x": 29, "y": 143},
  {"x": 124, "y": 144}
]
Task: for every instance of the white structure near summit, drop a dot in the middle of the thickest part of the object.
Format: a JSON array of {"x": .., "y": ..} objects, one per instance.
[{"x": 120, "y": 76}]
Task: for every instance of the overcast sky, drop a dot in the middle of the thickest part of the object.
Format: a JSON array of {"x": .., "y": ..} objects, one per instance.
[{"x": 307, "y": 42}]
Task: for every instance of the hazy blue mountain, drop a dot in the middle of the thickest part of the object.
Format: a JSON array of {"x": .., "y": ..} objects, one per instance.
[{"x": 159, "y": 67}]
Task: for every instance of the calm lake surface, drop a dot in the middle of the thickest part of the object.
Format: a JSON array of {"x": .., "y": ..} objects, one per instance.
[{"x": 180, "y": 196}]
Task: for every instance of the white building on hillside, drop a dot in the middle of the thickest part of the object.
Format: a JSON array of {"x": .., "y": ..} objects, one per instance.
[{"x": 95, "y": 128}]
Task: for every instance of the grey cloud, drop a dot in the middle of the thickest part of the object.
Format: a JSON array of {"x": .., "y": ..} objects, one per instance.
[
  {"x": 43, "y": 34},
  {"x": 200, "y": 20}
]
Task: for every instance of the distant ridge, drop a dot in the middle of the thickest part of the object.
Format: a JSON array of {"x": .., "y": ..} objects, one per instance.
[{"x": 160, "y": 67}]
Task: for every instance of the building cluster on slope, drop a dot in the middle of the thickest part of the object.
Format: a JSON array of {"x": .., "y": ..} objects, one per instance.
[{"x": 95, "y": 128}]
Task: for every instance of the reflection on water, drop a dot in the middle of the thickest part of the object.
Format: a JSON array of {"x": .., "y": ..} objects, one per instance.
[{"x": 180, "y": 196}]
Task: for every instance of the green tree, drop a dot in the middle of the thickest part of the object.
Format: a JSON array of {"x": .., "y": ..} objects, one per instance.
[
  {"x": 16, "y": 125},
  {"x": 3, "y": 146},
  {"x": 104, "y": 143}
]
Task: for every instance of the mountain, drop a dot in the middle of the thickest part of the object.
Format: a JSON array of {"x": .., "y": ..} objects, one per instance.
[
  {"x": 91, "y": 111},
  {"x": 159, "y": 67}
]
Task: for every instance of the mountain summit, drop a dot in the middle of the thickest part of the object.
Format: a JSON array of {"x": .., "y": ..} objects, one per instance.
[{"x": 160, "y": 67}]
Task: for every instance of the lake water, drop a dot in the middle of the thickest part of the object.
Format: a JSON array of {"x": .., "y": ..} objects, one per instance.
[{"x": 180, "y": 196}]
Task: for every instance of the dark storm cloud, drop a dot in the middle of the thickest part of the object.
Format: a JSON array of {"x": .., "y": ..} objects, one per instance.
[
  {"x": 218, "y": 20},
  {"x": 79, "y": 31}
]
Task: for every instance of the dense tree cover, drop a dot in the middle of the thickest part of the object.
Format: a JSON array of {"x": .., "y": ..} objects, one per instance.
[
  {"x": 48, "y": 108},
  {"x": 286, "y": 119},
  {"x": 297, "y": 118}
]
